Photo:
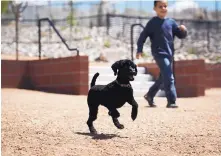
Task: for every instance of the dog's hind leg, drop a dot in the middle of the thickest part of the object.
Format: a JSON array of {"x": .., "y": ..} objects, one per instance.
[
  {"x": 93, "y": 110},
  {"x": 115, "y": 114}
]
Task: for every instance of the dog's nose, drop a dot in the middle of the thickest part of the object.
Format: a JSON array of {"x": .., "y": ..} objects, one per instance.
[{"x": 132, "y": 69}]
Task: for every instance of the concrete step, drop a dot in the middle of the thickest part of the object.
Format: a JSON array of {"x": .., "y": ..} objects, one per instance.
[
  {"x": 108, "y": 70},
  {"x": 135, "y": 84},
  {"x": 111, "y": 77},
  {"x": 141, "y": 84},
  {"x": 142, "y": 92}
]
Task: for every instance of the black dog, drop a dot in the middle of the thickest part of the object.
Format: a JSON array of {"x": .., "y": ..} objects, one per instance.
[{"x": 113, "y": 95}]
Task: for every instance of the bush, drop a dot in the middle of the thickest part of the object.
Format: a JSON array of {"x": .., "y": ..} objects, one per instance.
[
  {"x": 192, "y": 50},
  {"x": 87, "y": 38},
  {"x": 107, "y": 44},
  {"x": 71, "y": 20},
  {"x": 145, "y": 55}
]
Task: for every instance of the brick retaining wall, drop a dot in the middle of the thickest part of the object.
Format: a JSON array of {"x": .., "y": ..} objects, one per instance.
[
  {"x": 213, "y": 75},
  {"x": 70, "y": 75},
  {"x": 192, "y": 76},
  {"x": 13, "y": 73},
  {"x": 63, "y": 75}
]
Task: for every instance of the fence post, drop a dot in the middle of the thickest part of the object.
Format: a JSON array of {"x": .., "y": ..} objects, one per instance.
[
  {"x": 217, "y": 22},
  {"x": 208, "y": 35},
  {"x": 132, "y": 42},
  {"x": 39, "y": 39},
  {"x": 71, "y": 23},
  {"x": 108, "y": 23}
]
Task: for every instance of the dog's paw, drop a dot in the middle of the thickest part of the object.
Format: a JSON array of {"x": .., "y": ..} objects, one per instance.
[
  {"x": 92, "y": 130},
  {"x": 120, "y": 126},
  {"x": 134, "y": 113},
  {"x": 117, "y": 123},
  {"x": 133, "y": 117}
]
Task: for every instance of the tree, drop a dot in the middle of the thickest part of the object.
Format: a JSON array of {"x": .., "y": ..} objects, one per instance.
[
  {"x": 17, "y": 9},
  {"x": 4, "y": 6},
  {"x": 71, "y": 18}
]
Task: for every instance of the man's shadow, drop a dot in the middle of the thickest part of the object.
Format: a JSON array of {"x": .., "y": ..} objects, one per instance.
[{"x": 100, "y": 136}]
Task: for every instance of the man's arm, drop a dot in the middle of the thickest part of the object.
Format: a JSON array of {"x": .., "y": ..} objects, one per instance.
[
  {"x": 143, "y": 36},
  {"x": 179, "y": 31}
]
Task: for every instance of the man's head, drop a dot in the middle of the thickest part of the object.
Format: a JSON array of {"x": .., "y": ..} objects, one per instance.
[{"x": 160, "y": 6}]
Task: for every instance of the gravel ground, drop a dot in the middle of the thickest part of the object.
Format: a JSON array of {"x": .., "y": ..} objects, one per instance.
[{"x": 46, "y": 124}]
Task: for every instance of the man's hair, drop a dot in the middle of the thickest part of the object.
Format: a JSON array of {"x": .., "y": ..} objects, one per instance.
[{"x": 155, "y": 2}]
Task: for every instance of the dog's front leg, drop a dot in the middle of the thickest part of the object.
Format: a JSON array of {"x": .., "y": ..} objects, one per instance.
[
  {"x": 134, "y": 105},
  {"x": 115, "y": 114}
]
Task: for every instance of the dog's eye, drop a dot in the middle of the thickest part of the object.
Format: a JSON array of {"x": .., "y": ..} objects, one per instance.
[{"x": 131, "y": 68}]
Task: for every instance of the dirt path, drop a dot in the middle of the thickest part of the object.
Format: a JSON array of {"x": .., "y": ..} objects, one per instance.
[{"x": 45, "y": 124}]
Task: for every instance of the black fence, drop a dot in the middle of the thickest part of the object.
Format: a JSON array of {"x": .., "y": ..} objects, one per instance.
[
  {"x": 209, "y": 31},
  {"x": 202, "y": 35}
]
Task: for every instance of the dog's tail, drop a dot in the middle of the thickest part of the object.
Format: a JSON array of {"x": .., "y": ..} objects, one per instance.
[{"x": 94, "y": 79}]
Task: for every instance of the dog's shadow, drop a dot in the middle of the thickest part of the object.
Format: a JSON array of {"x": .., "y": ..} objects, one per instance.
[{"x": 100, "y": 136}]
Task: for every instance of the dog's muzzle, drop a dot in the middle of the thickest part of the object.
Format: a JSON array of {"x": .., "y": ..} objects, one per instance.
[
  {"x": 132, "y": 73},
  {"x": 131, "y": 77}
]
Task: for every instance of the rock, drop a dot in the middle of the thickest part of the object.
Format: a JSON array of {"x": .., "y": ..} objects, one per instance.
[
  {"x": 91, "y": 42},
  {"x": 101, "y": 58}
]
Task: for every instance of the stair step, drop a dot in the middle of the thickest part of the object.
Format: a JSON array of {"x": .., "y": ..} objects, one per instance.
[
  {"x": 135, "y": 84},
  {"x": 141, "y": 93},
  {"x": 141, "y": 84},
  {"x": 111, "y": 77},
  {"x": 105, "y": 69}
]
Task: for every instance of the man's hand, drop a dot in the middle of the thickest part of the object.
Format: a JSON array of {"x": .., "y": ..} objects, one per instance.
[
  {"x": 138, "y": 55},
  {"x": 182, "y": 27}
]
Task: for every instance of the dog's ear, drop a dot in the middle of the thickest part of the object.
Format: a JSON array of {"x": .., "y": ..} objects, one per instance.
[
  {"x": 135, "y": 69},
  {"x": 115, "y": 67},
  {"x": 135, "y": 66}
]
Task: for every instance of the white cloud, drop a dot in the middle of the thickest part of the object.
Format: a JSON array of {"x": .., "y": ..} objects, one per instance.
[{"x": 182, "y": 5}]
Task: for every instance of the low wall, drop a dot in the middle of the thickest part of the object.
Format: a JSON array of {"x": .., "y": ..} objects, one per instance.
[
  {"x": 70, "y": 75},
  {"x": 189, "y": 74},
  {"x": 13, "y": 74},
  {"x": 213, "y": 75},
  {"x": 190, "y": 78},
  {"x": 63, "y": 75}
]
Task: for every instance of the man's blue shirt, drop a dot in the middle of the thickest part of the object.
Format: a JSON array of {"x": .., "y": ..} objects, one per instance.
[{"x": 161, "y": 33}]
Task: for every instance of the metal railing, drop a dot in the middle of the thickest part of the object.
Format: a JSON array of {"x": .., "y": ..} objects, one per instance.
[
  {"x": 132, "y": 38},
  {"x": 57, "y": 32}
]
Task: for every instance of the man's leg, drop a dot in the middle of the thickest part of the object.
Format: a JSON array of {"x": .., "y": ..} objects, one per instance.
[
  {"x": 152, "y": 91},
  {"x": 165, "y": 65},
  {"x": 155, "y": 87}
]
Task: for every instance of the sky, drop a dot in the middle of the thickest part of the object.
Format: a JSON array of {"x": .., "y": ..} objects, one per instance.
[
  {"x": 204, "y": 4},
  {"x": 146, "y": 5}
]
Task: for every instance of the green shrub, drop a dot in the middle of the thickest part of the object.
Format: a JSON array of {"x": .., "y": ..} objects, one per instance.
[
  {"x": 192, "y": 50},
  {"x": 63, "y": 27},
  {"x": 145, "y": 55},
  {"x": 107, "y": 44},
  {"x": 87, "y": 38},
  {"x": 71, "y": 20}
]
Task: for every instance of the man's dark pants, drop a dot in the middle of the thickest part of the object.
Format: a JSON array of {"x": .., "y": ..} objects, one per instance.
[{"x": 166, "y": 77}]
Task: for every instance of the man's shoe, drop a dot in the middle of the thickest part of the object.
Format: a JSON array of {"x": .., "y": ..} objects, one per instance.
[
  {"x": 172, "y": 105},
  {"x": 149, "y": 100}
]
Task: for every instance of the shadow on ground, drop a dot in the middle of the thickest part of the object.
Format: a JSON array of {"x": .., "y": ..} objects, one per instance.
[{"x": 100, "y": 136}]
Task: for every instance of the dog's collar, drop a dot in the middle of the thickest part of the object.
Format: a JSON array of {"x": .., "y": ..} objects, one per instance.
[{"x": 123, "y": 85}]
